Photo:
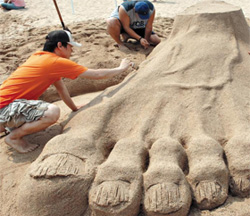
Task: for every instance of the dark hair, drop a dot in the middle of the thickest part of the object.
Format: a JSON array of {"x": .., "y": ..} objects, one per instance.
[{"x": 50, "y": 46}]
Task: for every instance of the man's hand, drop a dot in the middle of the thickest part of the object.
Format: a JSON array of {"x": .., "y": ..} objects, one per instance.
[
  {"x": 79, "y": 107},
  {"x": 125, "y": 63},
  {"x": 144, "y": 43}
]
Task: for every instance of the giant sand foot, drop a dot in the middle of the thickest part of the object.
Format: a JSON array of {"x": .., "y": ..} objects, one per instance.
[
  {"x": 117, "y": 188},
  {"x": 208, "y": 175},
  {"x": 166, "y": 189},
  {"x": 180, "y": 91}
]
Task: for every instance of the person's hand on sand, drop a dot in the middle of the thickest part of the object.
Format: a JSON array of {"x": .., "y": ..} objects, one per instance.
[
  {"x": 79, "y": 107},
  {"x": 125, "y": 63},
  {"x": 144, "y": 43}
]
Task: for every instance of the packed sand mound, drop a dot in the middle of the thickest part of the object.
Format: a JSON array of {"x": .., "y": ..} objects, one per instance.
[{"x": 156, "y": 142}]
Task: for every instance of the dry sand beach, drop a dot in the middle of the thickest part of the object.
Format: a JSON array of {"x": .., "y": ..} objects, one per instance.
[{"x": 22, "y": 32}]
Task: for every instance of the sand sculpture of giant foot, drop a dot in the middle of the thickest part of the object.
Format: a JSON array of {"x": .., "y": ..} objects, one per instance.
[{"x": 172, "y": 133}]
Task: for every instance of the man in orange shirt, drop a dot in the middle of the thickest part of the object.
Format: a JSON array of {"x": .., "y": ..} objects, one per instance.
[{"x": 21, "y": 113}]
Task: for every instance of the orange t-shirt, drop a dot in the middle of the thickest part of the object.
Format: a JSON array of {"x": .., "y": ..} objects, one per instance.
[{"x": 32, "y": 78}]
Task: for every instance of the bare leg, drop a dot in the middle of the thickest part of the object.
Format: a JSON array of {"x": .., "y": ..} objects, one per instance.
[
  {"x": 2, "y": 129},
  {"x": 125, "y": 37},
  {"x": 15, "y": 138},
  {"x": 154, "y": 39},
  {"x": 114, "y": 29}
]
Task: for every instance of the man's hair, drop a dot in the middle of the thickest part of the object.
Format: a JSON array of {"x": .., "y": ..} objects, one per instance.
[{"x": 50, "y": 46}]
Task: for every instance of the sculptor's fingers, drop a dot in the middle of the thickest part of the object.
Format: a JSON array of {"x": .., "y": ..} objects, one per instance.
[
  {"x": 125, "y": 63},
  {"x": 128, "y": 63},
  {"x": 145, "y": 43},
  {"x": 134, "y": 66},
  {"x": 80, "y": 106}
]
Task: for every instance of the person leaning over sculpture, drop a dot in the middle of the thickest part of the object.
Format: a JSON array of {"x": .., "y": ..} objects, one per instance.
[
  {"x": 13, "y": 4},
  {"x": 21, "y": 113},
  {"x": 133, "y": 19}
]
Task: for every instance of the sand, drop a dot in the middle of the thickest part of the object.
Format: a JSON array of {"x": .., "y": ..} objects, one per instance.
[{"x": 22, "y": 32}]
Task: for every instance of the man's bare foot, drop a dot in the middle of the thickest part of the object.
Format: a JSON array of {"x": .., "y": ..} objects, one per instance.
[
  {"x": 20, "y": 145},
  {"x": 125, "y": 37}
]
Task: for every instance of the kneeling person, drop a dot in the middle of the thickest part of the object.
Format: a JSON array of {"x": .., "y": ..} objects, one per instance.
[
  {"x": 21, "y": 113},
  {"x": 133, "y": 19}
]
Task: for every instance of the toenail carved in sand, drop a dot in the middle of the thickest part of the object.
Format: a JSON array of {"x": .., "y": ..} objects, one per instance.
[
  {"x": 240, "y": 185},
  {"x": 209, "y": 194},
  {"x": 186, "y": 106},
  {"x": 111, "y": 193},
  {"x": 65, "y": 165},
  {"x": 167, "y": 199}
]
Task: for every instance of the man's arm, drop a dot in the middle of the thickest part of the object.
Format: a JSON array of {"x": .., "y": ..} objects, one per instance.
[
  {"x": 149, "y": 26},
  {"x": 106, "y": 73},
  {"x": 64, "y": 95}
]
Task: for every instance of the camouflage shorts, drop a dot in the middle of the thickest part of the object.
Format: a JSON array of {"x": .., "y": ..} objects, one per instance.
[{"x": 21, "y": 111}]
